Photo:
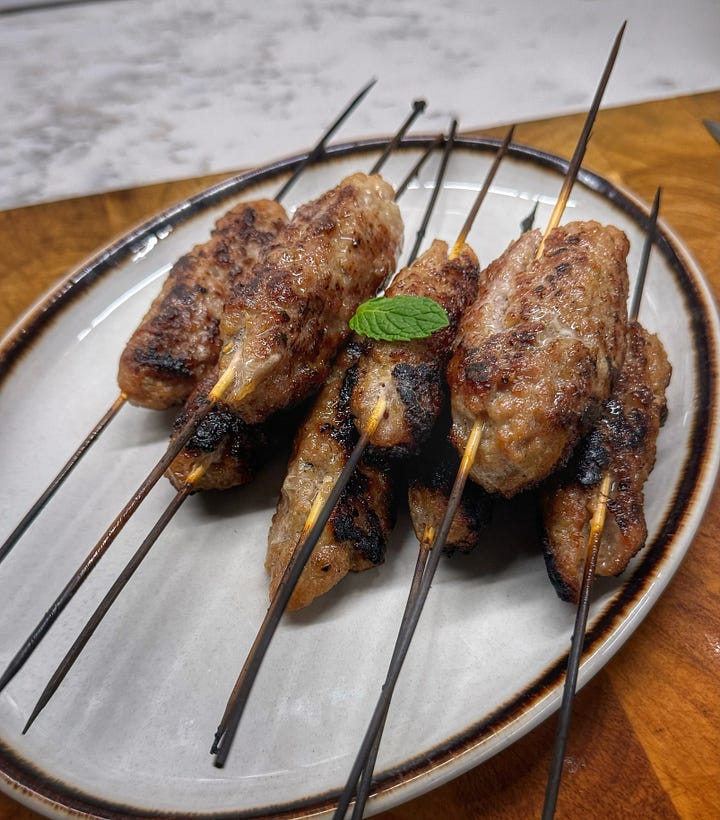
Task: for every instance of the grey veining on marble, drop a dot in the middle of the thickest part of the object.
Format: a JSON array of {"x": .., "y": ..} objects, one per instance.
[{"x": 107, "y": 95}]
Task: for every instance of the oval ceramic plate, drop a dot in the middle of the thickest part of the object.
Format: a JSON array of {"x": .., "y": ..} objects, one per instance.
[{"x": 130, "y": 728}]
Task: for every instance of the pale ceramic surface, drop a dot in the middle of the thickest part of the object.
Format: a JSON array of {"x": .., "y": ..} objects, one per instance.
[
  {"x": 133, "y": 722},
  {"x": 108, "y": 95}
]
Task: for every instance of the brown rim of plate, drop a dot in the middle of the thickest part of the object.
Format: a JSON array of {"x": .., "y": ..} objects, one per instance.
[{"x": 37, "y": 789}]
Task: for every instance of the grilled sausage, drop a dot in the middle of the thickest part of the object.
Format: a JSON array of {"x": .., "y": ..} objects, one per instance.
[
  {"x": 178, "y": 341},
  {"x": 228, "y": 449},
  {"x": 624, "y": 443},
  {"x": 537, "y": 352},
  {"x": 356, "y": 534},
  {"x": 282, "y": 329},
  {"x": 431, "y": 478},
  {"x": 411, "y": 375}
]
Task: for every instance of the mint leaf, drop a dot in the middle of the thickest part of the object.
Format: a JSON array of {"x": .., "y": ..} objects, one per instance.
[{"x": 399, "y": 318}]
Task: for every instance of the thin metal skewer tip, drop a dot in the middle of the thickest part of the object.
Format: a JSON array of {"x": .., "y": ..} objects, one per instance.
[
  {"x": 418, "y": 107},
  {"x": 62, "y": 475}
]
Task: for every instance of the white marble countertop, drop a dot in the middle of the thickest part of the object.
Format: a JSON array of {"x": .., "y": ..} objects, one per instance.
[{"x": 115, "y": 93}]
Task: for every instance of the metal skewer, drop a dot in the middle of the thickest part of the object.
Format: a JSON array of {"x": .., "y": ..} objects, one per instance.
[
  {"x": 128, "y": 571},
  {"x": 238, "y": 698},
  {"x": 593, "y": 548},
  {"x": 121, "y": 400},
  {"x": 409, "y": 624}
]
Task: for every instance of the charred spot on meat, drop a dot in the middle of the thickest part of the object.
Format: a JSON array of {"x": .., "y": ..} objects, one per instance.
[
  {"x": 410, "y": 375},
  {"x": 355, "y": 537}
]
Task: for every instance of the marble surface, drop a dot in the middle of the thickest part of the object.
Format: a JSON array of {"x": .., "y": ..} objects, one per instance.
[{"x": 116, "y": 93}]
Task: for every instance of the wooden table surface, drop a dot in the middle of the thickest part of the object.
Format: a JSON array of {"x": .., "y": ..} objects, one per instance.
[{"x": 645, "y": 739}]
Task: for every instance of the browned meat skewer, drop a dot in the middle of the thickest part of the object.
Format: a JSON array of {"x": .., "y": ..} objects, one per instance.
[
  {"x": 538, "y": 351},
  {"x": 623, "y": 442},
  {"x": 357, "y": 532},
  {"x": 178, "y": 340},
  {"x": 411, "y": 374},
  {"x": 282, "y": 328}
]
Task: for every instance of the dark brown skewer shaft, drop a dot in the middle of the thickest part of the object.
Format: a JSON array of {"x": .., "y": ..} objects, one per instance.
[
  {"x": 106, "y": 603},
  {"x": 129, "y": 570},
  {"x": 98, "y": 551},
  {"x": 405, "y": 635},
  {"x": 59, "y": 479},
  {"x": 407, "y": 628},
  {"x": 365, "y": 784},
  {"x": 593, "y": 548},
  {"x": 420, "y": 235},
  {"x": 94, "y": 434},
  {"x": 418, "y": 107},
  {"x": 319, "y": 148},
  {"x": 238, "y": 698}
]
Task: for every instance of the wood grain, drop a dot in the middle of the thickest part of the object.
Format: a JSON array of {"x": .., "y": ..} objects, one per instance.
[{"x": 645, "y": 736}]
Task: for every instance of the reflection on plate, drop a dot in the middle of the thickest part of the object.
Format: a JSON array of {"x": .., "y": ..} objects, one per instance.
[{"x": 130, "y": 729}]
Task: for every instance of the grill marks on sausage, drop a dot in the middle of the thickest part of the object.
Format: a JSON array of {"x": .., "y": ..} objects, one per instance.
[
  {"x": 356, "y": 534},
  {"x": 178, "y": 341},
  {"x": 623, "y": 442}
]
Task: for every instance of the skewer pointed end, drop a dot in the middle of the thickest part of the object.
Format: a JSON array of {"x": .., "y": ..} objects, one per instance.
[{"x": 39, "y": 706}]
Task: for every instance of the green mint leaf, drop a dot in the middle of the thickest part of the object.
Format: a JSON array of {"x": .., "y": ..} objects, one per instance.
[{"x": 399, "y": 318}]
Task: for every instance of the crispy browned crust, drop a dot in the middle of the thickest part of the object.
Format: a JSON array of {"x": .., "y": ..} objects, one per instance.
[
  {"x": 229, "y": 449},
  {"x": 537, "y": 352},
  {"x": 357, "y": 532},
  {"x": 178, "y": 341},
  {"x": 623, "y": 442},
  {"x": 283, "y": 328},
  {"x": 431, "y": 478},
  {"x": 411, "y": 375}
]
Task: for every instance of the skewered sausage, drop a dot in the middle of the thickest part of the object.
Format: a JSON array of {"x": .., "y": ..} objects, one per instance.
[
  {"x": 537, "y": 352},
  {"x": 356, "y": 534},
  {"x": 411, "y": 375},
  {"x": 177, "y": 342},
  {"x": 624, "y": 443},
  {"x": 282, "y": 329}
]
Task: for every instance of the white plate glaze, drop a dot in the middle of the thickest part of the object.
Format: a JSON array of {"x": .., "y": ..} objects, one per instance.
[{"x": 129, "y": 730}]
